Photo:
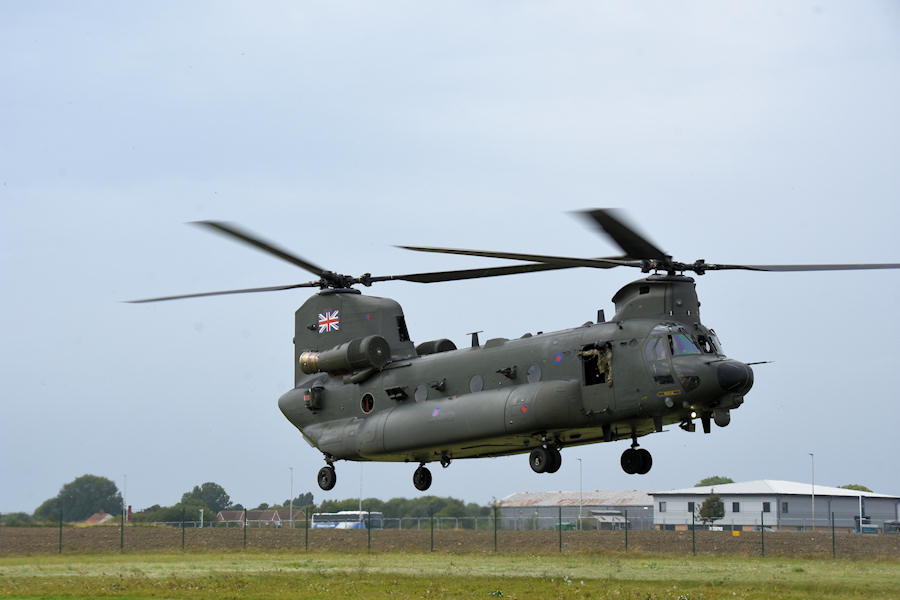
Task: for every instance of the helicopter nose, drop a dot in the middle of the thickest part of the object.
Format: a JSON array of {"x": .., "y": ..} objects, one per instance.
[{"x": 735, "y": 377}]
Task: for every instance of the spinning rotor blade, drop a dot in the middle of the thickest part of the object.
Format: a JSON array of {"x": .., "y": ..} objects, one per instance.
[
  {"x": 440, "y": 276},
  {"x": 561, "y": 261},
  {"x": 230, "y": 230},
  {"x": 799, "y": 268},
  {"x": 225, "y": 292},
  {"x": 634, "y": 244}
]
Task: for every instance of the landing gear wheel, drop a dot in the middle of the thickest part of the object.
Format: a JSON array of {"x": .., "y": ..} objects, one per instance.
[
  {"x": 646, "y": 461},
  {"x": 555, "y": 462},
  {"x": 540, "y": 459},
  {"x": 327, "y": 478},
  {"x": 422, "y": 478},
  {"x": 631, "y": 461}
]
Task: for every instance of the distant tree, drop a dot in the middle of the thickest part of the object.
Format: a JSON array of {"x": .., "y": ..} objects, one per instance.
[
  {"x": 714, "y": 480},
  {"x": 712, "y": 509},
  {"x": 300, "y": 501},
  {"x": 212, "y": 495},
  {"x": 80, "y": 498},
  {"x": 856, "y": 486},
  {"x": 262, "y": 506},
  {"x": 236, "y": 507},
  {"x": 17, "y": 519}
]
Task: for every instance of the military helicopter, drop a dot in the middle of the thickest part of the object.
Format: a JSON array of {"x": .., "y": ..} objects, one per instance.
[{"x": 364, "y": 392}]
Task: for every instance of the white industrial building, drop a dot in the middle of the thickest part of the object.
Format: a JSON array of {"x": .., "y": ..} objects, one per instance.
[
  {"x": 779, "y": 505},
  {"x": 596, "y": 509}
]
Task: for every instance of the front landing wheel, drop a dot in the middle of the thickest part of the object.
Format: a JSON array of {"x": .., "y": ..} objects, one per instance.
[
  {"x": 422, "y": 478},
  {"x": 327, "y": 478}
]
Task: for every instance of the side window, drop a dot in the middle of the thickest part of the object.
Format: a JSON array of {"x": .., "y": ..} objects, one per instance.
[
  {"x": 597, "y": 364},
  {"x": 767, "y": 507},
  {"x": 735, "y": 507},
  {"x": 662, "y": 507},
  {"x": 690, "y": 507},
  {"x": 655, "y": 353},
  {"x": 784, "y": 507}
]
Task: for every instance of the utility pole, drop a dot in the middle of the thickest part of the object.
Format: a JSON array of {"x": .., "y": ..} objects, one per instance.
[{"x": 812, "y": 459}]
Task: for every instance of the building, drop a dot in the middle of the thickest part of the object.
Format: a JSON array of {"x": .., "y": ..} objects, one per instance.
[
  {"x": 255, "y": 518},
  {"x": 781, "y": 505},
  {"x": 597, "y": 510},
  {"x": 98, "y": 518}
]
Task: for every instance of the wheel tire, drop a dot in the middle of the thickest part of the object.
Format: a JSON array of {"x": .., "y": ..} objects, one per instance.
[
  {"x": 540, "y": 460},
  {"x": 327, "y": 478},
  {"x": 422, "y": 479},
  {"x": 555, "y": 462},
  {"x": 646, "y": 461},
  {"x": 630, "y": 461}
]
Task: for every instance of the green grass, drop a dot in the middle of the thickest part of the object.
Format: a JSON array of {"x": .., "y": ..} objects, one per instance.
[{"x": 280, "y": 575}]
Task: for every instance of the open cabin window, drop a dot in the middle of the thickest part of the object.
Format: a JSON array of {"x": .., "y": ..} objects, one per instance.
[{"x": 596, "y": 361}]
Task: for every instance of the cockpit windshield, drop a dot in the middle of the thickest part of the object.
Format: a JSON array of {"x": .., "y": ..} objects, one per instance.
[{"x": 682, "y": 344}]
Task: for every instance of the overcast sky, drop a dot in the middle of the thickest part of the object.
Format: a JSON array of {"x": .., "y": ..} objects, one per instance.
[{"x": 742, "y": 132}]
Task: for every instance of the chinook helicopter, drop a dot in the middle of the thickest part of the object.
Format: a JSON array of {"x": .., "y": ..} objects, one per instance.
[{"x": 363, "y": 391}]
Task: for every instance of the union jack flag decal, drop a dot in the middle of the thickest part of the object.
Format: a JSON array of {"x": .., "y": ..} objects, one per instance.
[{"x": 329, "y": 321}]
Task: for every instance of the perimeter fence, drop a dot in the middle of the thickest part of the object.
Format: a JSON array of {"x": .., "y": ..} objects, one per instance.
[{"x": 440, "y": 534}]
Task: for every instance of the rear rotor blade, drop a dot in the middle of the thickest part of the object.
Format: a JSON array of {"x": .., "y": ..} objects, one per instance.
[
  {"x": 231, "y": 230},
  {"x": 634, "y": 244},
  {"x": 561, "y": 261},
  {"x": 273, "y": 288},
  {"x": 798, "y": 268}
]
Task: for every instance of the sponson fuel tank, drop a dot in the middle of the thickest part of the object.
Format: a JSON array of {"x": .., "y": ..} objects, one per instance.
[{"x": 410, "y": 427}]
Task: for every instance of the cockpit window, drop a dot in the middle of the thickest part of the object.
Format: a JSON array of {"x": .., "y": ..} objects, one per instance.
[
  {"x": 682, "y": 344},
  {"x": 716, "y": 342}
]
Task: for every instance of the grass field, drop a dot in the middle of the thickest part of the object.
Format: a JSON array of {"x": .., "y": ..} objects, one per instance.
[{"x": 331, "y": 575}]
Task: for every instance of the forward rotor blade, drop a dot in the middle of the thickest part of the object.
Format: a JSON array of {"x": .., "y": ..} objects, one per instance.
[
  {"x": 798, "y": 268},
  {"x": 561, "y": 261},
  {"x": 273, "y": 288},
  {"x": 634, "y": 244},
  {"x": 440, "y": 276},
  {"x": 231, "y": 230}
]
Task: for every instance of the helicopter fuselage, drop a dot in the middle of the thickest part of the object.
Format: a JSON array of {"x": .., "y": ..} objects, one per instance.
[{"x": 599, "y": 382}]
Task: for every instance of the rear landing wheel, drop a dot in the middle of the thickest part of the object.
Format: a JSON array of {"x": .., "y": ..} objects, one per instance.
[
  {"x": 636, "y": 461},
  {"x": 422, "y": 478},
  {"x": 327, "y": 478},
  {"x": 555, "y": 460},
  {"x": 646, "y": 461},
  {"x": 540, "y": 459}
]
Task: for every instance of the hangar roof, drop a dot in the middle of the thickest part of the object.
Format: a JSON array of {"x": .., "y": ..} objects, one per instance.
[
  {"x": 769, "y": 487},
  {"x": 575, "y": 498}
]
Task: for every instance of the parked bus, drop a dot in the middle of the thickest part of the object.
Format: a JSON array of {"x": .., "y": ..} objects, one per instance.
[{"x": 347, "y": 519}]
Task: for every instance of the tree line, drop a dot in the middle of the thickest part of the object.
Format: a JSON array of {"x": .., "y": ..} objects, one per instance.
[{"x": 90, "y": 494}]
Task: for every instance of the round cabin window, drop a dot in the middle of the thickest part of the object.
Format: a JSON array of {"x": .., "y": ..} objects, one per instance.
[
  {"x": 367, "y": 403},
  {"x": 421, "y": 392},
  {"x": 476, "y": 384},
  {"x": 534, "y": 374}
]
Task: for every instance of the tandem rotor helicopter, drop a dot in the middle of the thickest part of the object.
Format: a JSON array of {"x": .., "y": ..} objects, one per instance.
[{"x": 364, "y": 392}]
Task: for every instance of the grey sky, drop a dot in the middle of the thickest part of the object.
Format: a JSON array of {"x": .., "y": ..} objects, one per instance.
[{"x": 755, "y": 132}]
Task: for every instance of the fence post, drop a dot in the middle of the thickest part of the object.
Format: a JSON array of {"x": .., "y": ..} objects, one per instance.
[
  {"x": 833, "y": 544},
  {"x": 495, "y": 528},
  {"x": 431, "y": 519},
  {"x": 60, "y": 528},
  {"x": 369, "y": 530},
  {"x": 245, "y": 528},
  {"x": 762, "y": 531},
  {"x": 307, "y": 527},
  {"x": 693, "y": 534},
  {"x": 122, "y": 533},
  {"x": 559, "y": 527}
]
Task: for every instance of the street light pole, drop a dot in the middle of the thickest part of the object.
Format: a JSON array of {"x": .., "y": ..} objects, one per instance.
[
  {"x": 812, "y": 459},
  {"x": 580, "y": 494}
]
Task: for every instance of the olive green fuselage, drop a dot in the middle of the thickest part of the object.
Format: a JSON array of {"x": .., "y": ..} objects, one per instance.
[{"x": 599, "y": 382}]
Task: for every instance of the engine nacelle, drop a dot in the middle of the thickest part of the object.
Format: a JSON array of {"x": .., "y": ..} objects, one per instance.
[{"x": 372, "y": 352}]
